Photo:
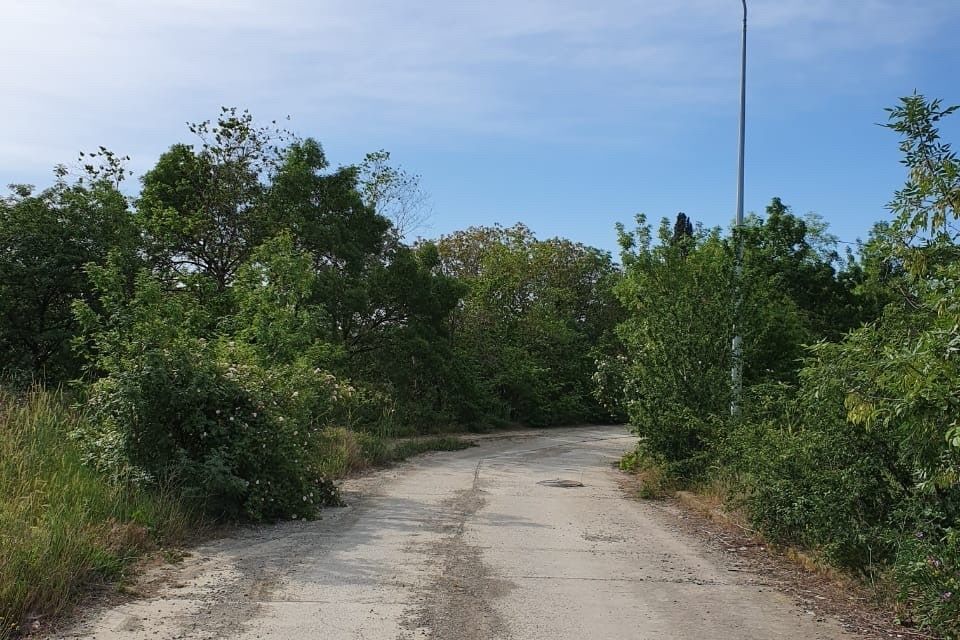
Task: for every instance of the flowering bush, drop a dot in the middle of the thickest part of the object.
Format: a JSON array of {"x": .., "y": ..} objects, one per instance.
[
  {"x": 241, "y": 439},
  {"x": 235, "y": 433}
]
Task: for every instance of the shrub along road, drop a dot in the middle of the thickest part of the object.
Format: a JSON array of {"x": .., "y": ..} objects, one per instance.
[{"x": 467, "y": 545}]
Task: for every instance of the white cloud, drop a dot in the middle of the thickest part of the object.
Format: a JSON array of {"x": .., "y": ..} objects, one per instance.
[{"x": 75, "y": 73}]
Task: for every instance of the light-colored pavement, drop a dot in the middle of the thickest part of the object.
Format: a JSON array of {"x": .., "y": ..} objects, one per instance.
[{"x": 468, "y": 545}]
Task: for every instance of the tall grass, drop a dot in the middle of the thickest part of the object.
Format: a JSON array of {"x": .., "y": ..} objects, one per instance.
[
  {"x": 62, "y": 525},
  {"x": 347, "y": 451}
]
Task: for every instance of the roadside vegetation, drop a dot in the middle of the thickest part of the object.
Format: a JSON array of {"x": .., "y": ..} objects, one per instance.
[
  {"x": 62, "y": 526},
  {"x": 248, "y": 327},
  {"x": 846, "y": 442}
]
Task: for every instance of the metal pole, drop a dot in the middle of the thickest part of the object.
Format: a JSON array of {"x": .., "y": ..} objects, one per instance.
[{"x": 736, "y": 372}]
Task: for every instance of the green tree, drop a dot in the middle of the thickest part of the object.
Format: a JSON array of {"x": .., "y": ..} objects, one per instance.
[
  {"x": 277, "y": 311},
  {"x": 203, "y": 210},
  {"x": 536, "y": 314},
  {"x": 46, "y": 240},
  {"x": 393, "y": 193},
  {"x": 907, "y": 373}
]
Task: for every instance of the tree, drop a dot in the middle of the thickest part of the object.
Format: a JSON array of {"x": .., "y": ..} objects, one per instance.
[
  {"x": 801, "y": 258},
  {"x": 393, "y": 193},
  {"x": 202, "y": 209},
  {"x": 904, "y": 369},
  {"x": 676, "y": 340},
  {"x": 536, "y": 314},
  {"x": 46, "y": 241},
  {"x": 682, "y": 228}
]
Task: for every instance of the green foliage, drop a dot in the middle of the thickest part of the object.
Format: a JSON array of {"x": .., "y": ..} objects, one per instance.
[
  {"x": 928, "y": 573},
  {"x": 205, "y": 415},
  {"x": 847, "y": 442},
  {"x": 797, "y": 256},
  {"x": 855, "y": 451},
  {"x": 811, "y": 480},
  {"x": 680, "y": 298},
  {"x": 202, "y": 209},
  {"x": 537, "y": 316},
  {"x": 275, "y": 300},
  {"x": 904, "y": 374},
  {"x": 393, "y": 193},
  {"x": 654, "y": 482},
  {"x": 46, "y": 238},
  {"x": 676, "y": 379},
  {"x": 610, "y": 385}
]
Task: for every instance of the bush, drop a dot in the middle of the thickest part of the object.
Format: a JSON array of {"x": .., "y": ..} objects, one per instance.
[
  {"x": 239, "y": 439},
  {"x": 655, "y": 483},
  {"x": 235, "y": 433},
  {"x": 828, "y": 490}
]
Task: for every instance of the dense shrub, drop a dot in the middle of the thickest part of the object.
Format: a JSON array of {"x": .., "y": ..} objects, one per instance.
[
  {"x": 810, "y": 479},
  {"x": 677, "y": 340},
  {"x": 240, "y": 439},
  {"x": 203, "y": 414}
]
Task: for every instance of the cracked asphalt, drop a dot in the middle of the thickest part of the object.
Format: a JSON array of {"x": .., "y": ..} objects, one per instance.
[{"x": 467, "y": 545}]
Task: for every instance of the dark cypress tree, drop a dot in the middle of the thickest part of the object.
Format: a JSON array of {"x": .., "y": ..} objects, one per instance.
[{"x": 682, "y": 233}]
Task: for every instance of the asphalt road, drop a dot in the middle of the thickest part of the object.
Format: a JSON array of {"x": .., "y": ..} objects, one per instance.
[{"x": 467, "y": 545}]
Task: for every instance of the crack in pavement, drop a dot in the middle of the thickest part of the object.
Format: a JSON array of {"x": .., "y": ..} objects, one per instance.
[{"x": 457, "y": 604}]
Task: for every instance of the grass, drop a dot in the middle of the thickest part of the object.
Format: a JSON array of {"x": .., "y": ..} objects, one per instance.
[
  {"x": 63, "y": 526},
  {"x": 404, "y": 449},
  {"x": 348, "y": 452},
  {"x": 653, "y": 481}
]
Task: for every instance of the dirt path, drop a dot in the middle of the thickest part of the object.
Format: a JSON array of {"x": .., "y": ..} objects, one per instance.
[{"x": 469, "y": 545}]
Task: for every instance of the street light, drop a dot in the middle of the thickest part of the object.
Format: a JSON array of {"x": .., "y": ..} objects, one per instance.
[{"x": 736, "y": 371}]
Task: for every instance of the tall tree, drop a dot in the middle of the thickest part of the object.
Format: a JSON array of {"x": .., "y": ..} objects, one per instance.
[
  {"x": 202, "y": 208},
  {"x": 535, "y": 312}
]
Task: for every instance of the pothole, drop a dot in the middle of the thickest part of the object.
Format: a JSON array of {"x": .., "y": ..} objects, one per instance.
[{"x": 564, "y": 484}]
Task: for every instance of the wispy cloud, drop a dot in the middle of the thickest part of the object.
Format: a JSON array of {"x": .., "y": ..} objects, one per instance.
[{"x": 77, "y": 73}]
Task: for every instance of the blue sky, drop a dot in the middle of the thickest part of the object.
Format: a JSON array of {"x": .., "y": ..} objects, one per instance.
[{"x": 566, "y": 114}]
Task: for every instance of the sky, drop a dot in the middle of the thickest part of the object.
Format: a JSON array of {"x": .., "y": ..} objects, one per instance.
[{"x": 568, "y": 115}]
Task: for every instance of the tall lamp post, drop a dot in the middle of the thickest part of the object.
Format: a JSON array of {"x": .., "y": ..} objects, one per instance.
[{"x": 736, "y": 371}]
